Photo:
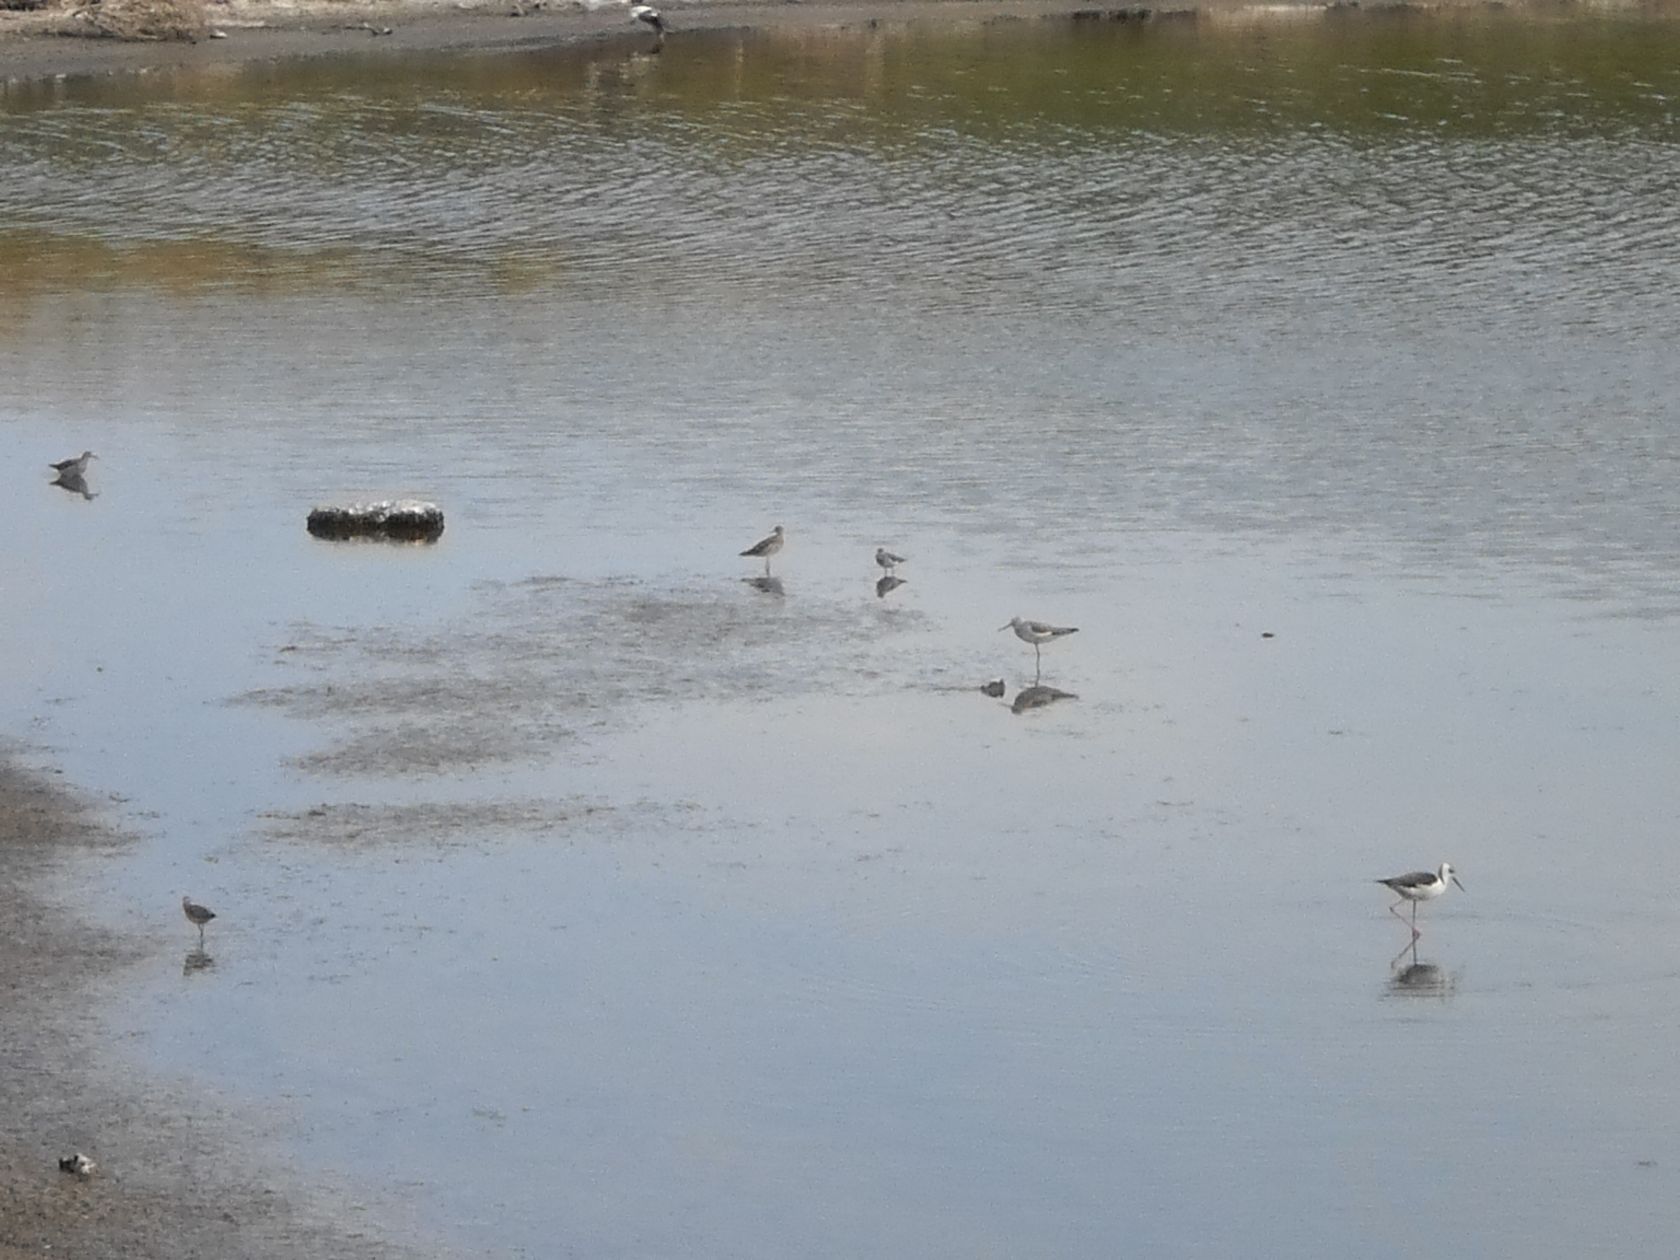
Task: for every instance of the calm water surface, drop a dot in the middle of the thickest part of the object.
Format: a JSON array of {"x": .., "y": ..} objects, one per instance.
[{"x": 645, "y": 913}]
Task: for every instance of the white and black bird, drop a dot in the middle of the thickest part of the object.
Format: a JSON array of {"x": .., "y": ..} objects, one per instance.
[
  {"x": 73, "y": 467},
  {"x": 887, "y": 560},
  {"x": 1416, "y": 886},
  {"x": 649, "y": 16},
  {"x": 1036, "y": 633},
  {"x": 78, "y": 1164},
  {"x": 767, "y": 546},
  {"x": 197, "y": 915}
]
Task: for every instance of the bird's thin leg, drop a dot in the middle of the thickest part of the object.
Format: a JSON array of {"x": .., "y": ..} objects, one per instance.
[
  {"x": 1409, "y": 949},
  {"x": 1415, "y": 932},
  {"x": 1395, "y": 909}
]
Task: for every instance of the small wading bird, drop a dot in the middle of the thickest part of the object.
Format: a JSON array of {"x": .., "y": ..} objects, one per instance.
[
  {"x": 197, "y": 915},
  {"x": 73, "y": 467},
  {"x": 767, "y": 546},
  {"x": 649, "y": 16},
  {"x": 1419, "y": 886},
  {"x": 1036, "y": 633},
  {"x": 887, "y": 560}
]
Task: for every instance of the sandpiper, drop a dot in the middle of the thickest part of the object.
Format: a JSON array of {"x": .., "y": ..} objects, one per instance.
[
  {"x": 1036, "y": 633},
  {"x": 887, "y": 560},
  {"x": 767, "y": 546},
  {"x": 73, "y": 467},
  {"x": 1416, "y": 886},
  {"x": 197, "y": 915}
]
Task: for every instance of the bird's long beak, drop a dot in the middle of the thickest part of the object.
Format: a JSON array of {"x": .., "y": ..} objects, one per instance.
[
  {"x": 1005, "y": 625},
  {"x": 1461, "y": 887}
]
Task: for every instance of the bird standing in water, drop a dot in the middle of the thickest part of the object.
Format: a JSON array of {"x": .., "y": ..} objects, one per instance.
[
  {"x": 1036, "y": 633},
  {"x": 767, "y": 546},
  {"x": 887, "y": 560},
  {"x": 197, "y": 915},
  {"x": 73, "y": 467},
  {"x": 1419, "y": 886}
]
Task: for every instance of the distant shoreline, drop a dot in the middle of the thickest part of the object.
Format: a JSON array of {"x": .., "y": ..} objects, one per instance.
[{"x": 272, "y": 30}]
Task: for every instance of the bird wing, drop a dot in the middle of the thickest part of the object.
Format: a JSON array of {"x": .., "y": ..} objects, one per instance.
[{"x": 1412, "y": 879}]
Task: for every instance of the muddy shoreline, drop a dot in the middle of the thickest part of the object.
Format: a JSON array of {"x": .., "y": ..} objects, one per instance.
[
  {"x": 173, "y": 1178},
  {"x": 264, "y": 30}
]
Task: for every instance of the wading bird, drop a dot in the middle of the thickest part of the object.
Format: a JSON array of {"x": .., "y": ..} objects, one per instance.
[
  {"x": 887, "y": 560},
  {"x": 197, "y": 915},
  {"x": 767, "y": 546},
  {"x": 1036, "y": 633},
  {"x": 73, "y": 467},
  {"x": 1417, "y": 886}
]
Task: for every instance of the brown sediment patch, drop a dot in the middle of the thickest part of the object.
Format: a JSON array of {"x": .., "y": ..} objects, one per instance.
[
  {"x": 171, "y": 1180},
  {"x": 546, "y": 661},
  {"x": 436, "y": 825}
]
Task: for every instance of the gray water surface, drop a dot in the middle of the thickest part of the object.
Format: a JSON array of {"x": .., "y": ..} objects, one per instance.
[{"x": 591, "y": 901}]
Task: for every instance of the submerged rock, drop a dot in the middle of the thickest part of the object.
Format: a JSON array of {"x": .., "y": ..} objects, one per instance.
[{"x": 411, "y": 520}]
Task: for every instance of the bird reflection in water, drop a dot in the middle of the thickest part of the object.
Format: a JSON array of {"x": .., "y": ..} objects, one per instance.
[
  {"x": 75, "y": 483},
  {"x": 1038, "y": 696},
  {"x": 1409, "y": 977},
  {"x": 766, "y": 585},
  {"x": 197, "y": 960},
  {"x": 887, "y": 585}
]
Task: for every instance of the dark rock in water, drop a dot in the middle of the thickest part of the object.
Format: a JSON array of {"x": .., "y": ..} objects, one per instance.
[
  {"x": 994, "y": 689},
  {"x": 409, "y": 520},
  {"x": 77, "y": 1163},
  {"x": 1037, "y": 697}
]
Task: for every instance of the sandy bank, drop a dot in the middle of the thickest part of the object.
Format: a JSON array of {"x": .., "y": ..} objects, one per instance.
[{"x": 251, "y": 30}]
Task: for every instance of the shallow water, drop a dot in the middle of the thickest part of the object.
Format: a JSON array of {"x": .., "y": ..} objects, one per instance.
[{"x": 590, "y": 900}]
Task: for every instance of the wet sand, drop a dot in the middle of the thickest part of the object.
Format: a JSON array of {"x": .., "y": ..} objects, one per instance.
[{"x": 173, "y": 1179}]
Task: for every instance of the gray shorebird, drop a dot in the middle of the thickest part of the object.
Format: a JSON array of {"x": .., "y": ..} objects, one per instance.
[
  {"x": 650, "y": 17},
  {"x": 1036, "y": 633},
  {"x": 1419, "y": 886},
  {"x": 887, "y": 560},
  {"x": 197, "y": 915},
  {"x": 767, "y": 546},
  {"x": 73, "y": 467}
]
